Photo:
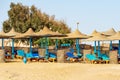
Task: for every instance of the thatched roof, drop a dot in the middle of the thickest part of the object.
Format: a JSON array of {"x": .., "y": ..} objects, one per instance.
[
  {"x": 98, "y": 37},
  {"x": 48, "y": 33},
  {"x": 12, "y": 32},
  {"x": 94, "y": 33},
  {"x": 4, "y": 35},
  {"x": 115, "y": 37},
  {"x": 109, "y": 32},
  {"x": 77, "y": 34}
]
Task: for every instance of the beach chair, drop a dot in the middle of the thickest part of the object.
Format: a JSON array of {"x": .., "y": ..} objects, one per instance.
[
  {"x": 71, "y": 57},
  {"x": 105, "y": 58},
  {"x": 8, "y": 55},
  {"x": 92, "y": 58},
  {"x": 20, "y": 54},
  {"x": 52, "y": 57},
  {"x": 33, "y": 56}
]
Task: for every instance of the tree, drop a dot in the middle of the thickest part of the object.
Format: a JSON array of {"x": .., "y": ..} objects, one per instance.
[{"x": 21, "y": 18}]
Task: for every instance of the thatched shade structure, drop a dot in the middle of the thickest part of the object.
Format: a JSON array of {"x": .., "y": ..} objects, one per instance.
[
  {"x": 28, "y": 34},
  {"x": 109, "y": 32},
  {"x": 77, "y": 35},
  {"x": 2, "y": 36},
  {"x": 45, "y": 32},
  {"x": 12, "y": 32},
  {"x": 116, "y": 37},
  {"x": 95, "y": 33},
  {"x": 97, "y": 37}
]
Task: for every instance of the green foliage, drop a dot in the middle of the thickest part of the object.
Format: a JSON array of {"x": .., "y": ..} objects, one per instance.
[{"x": 21, "y": 18}]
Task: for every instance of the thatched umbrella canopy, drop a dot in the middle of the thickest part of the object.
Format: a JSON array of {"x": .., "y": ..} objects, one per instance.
[
  {"x": 97, "y": 37},
  {"x": 12, "y": 33},
  {"x": 109, "y": 32},
  {"x": 45, "y": 32},
  {"x": 77, "y": 35},
  {"x": 116, "y": 37},
  {"x": 28, "y": 34},
  {"x": 4, "y": 35},
  {"x": 95, "y": 33}
]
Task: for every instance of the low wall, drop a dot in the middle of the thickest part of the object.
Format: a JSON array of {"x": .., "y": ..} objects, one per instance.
[
  {"x": 2, "y": 56},
  {"x": 113, "y": 57}
]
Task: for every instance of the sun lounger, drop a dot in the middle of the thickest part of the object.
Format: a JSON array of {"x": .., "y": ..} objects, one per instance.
[
  {"x": 33, "y": 56},
  {"x": 71, "y": 57},
  {"x": 105, "y": 58},
  {"x": 52, "y": 57},
  {"x": 20, "y": 54},
  {"x": 92, "y": 58}
]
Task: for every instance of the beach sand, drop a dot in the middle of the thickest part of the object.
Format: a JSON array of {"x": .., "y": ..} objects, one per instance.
[{"x": 58, "y": 71}]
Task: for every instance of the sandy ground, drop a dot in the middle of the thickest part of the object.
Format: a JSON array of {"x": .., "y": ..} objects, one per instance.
[{"x": 58, "y": 71}]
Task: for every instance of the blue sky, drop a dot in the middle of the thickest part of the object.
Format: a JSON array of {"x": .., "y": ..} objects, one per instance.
[{"x": 91, "y": 14}]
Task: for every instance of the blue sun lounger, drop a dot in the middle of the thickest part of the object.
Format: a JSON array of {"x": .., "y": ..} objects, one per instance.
[
  {"x": 92, "y": 58},
  {"x": 35, "y": 56},
  {"x": 52, "y": 56},
  {"x": 105, "y": 58},
  {"x": 20, "y": 53},
  {"x": 71, "y": 57}
]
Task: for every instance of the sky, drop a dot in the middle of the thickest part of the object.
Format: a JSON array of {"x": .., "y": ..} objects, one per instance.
[{"x": 91, "y": 14}]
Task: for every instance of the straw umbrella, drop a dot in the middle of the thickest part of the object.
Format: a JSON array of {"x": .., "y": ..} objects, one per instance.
[
  {"x": 110, "y": 32},
  {"x": 95, "y": 33},
  {"x": 45, "y": 32},
  {"x": 2, "y": 36},
  {"x": 12, "y": 32},
  {"x": 28, "y": 34},
  {"x": 77, "y": 35},
  {"x": 116, "y": 37},
  {"x": 98, "y": 37}
]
